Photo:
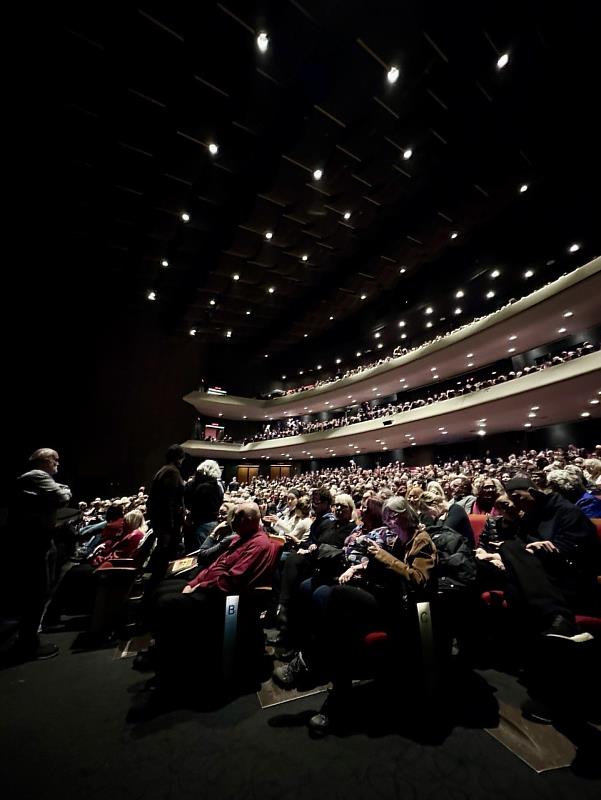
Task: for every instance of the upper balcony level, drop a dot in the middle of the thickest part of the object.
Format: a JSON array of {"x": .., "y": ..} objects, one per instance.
[
  {"x": 562, "y": 393},
  {"x": 565, "y": 306}
]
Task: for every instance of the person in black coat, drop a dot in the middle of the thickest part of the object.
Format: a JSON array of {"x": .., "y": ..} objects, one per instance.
[{"x": 203, "y": 497}]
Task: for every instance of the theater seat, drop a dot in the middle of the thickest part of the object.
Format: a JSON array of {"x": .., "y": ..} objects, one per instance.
[{"x": 477, "y": 521}]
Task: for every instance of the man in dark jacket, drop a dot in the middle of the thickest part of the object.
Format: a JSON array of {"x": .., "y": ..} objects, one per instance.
[
  {"x": 551, "y": 566},
  {"x": 33, "y": 515},
  {"x": 203, "y": 496},
  {"x": 165, "y": 510}
]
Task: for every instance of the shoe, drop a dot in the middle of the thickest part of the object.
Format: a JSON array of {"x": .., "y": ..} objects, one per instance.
[
  {"x": 563, "y": 628},
  {"x": 334, "y": 710},
  {"x": 291, "y": 675},
  {"x": 281, "y": 618},
  {"x": 44, "y": 652}
]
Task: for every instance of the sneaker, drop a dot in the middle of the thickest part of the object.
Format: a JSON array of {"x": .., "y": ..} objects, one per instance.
[
  {"x": 563, "y": 628},
  {"x": 333, "y": 712},
  {"x": 289, "y": 676}
]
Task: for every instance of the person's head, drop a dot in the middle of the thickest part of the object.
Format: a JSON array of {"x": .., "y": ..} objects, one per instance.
[
  {"x": 431, "y": 505},
  {"x": 592, "y": 469},
  {"x": 113, "y": 513},
  {"x": 399, "y": 517},
  {"x": 461, "y": 487},
  {"x": 522, "y": 493},
  {"x": 487, "y": 490},
  {"x": 567, "y": 483},
  {"x": 133, "y": 521},
  {"x": 413, "y": 493},
  {"x": 303, "y": 507},
  {"x": 45, "y": 459},
  {"x": 208, "y": 469},
  {"x": 372, "y": 514},
  {"x": 226, "y": 512},
  {"x": 434, "y": 487},
  {"x": 344, "y": 508},
  {"x": 292, "y": 498},
  {"x": 246, "y": 520},
  {"x": 321, "y": 501},
  {"x": 175, "y": 455}
]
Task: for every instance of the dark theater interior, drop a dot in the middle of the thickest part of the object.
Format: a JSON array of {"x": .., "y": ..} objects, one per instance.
[{"x": 301, "y": 494}]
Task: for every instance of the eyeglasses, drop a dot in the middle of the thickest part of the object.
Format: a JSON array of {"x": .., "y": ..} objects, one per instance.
[{"x": 341, "y": 505}]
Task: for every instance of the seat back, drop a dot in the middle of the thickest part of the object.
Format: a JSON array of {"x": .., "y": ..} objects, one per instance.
[{"x": 477, "y": 521}]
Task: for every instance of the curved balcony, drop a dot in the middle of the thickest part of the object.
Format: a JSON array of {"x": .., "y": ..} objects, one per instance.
[
  {"x": 562, "y": 393},
  {"x": 535, "y": 320}
]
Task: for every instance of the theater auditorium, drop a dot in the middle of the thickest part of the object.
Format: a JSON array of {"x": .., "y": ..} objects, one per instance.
[{"x": 302, "y": 487}]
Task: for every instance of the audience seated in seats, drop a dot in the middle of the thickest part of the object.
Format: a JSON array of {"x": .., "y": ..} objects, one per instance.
[
  {"x": 189, "y": 616},
  {"x": 570, "y": 483},
  {"x": 487, "y": 490},
  {"x": 296, "y": 526},
  {"x": 405, "y": 568},
  {"x": 76, "y": 591},
  {"x": 552, "y": 564},
  {"x": 110, "y": 528},
  {"x": 203, "y": 496}
]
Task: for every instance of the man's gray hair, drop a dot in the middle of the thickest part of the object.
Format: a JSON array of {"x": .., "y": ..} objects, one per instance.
[
  {"x": 209, "y": 468},
  {"x": 564, "y": 480}
]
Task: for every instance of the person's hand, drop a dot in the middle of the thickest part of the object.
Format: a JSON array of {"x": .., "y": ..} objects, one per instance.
[
  {"x": 188, "y": 589},
  {"x": 302, "y": 552},
  {"x": 312, "y": 547},
  {"x": 373, "y": 548},
  {"x": 547, "y": 546},
  {"x": 346, "y": 576}
]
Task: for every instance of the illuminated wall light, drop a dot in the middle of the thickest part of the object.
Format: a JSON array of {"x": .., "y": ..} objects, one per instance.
[
  {"x": 164, "y": 263},
  {"x": 347, "y": 214},
  {"x": 393, "y": 75},
  {"x": 407, "y": 154},
  {"x": 317, "y": 174},
  {"x": 213, "y": 149},
  {"x": 529, "y": 273},
  {"x": 503, "y": 61},
  {"x": 263, "y": 42},
  {"x": 185, "y": 217},
  {"x": 574, "y": 248},
  {"x": 152, "y": 295}
]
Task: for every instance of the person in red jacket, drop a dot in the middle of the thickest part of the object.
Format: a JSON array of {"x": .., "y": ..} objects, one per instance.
[{"x": 189, "y": 618}]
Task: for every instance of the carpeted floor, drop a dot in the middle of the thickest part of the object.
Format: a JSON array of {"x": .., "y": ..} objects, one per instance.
[{"x": 64, "y": 731}]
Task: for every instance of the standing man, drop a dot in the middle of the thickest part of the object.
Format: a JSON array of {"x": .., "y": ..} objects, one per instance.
[
  {"x": 32, "y": 517},
  {"x": 166, "y": 511}
]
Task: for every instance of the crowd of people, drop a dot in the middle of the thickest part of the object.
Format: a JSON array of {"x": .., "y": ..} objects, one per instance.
[
  {"x": 374, "y": 410},
  {"x": 347, "y": 550}
]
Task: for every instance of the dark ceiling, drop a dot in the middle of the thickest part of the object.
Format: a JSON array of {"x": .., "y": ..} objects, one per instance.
[{"x": 144, "y": 91}]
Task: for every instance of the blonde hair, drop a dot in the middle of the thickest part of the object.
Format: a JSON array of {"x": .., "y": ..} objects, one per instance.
[{"x": 132, "y": 521}]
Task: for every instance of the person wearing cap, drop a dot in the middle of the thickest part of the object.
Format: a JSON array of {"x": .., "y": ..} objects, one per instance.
[{"x": 551, "y": 565}]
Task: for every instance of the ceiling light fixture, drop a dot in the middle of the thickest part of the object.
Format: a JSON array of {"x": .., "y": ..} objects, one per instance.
[
  {"x": 511, "y": 350},
  {"x": 393, "y": 74},
  {"x": 503, "y": 61},
  {"x": 377, "y": 335},
  {"x": 248, "y": 313},
  {"x": 213, "y": 149},
  {"x": 562, "y": 330},
  {"x": 192, "y": 331},
  {"x": 495, "y": 273},
  {"x": 458, "y": 310},
  {"x": 428, "y": 324},
  {"x": 263, "y": 42},
  {"x": 574, "y": 248},
  {"x": 585, "y": 414},
  {"x": 268, "y": 235},
  {"x": 347, "y": 214},
  {"x": 152, "y": 295},
  {"x": 429, "y": 310},
  {"x": 513, "y": 337},
  {"x": 470, "y": 364},
  {"x": 318, "y": 174},
  {"x": 470, "y": 355},
  {"x": 358, "y": 353},
  {"x": 529, "y": 273},
  {"x": 338, "y": 360},
  {"x": 228, "y": 334},
  {"x": 185, "y": 217},
  {"x": 481, "y": 433},
  {"x": 331, "y": 319},
  {"x": 402, "y": 271},
  {"x": 490, "y": 294},
  {"x": 527, "y": 424},
  {"x": 403, "y": 335},
  {"x": 305, "y": 258},
  {"x": 271, "y": 289},
  {"x": 407, "y": 154},
  {"x": 164, "y": 263},
  {"x": 235, "y": 276},
  {"x": 594, "y": 402},
  {"x": 454, "y": 235},
  {"x": 459, "y": 294},
  {"x": 523, "y": 188},
  {"x": 402, "y": 323},
  {"x": 568, "y": 314},
  {"x": 212, "y": 302}
]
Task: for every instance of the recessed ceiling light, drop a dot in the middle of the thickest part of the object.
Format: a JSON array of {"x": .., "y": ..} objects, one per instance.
[
  {"x": 470, "y": 355},
  {"x": 568, "y": 314},
  {"x": 213, "y": 149},
  {"x": 377, "y": 335},
  {"x": 363, "y": 297},
  {"x": 441, "y": 429},
  {"x": 594, "y": 402},
  {"x": 393, "y": 75},
  {"x": 228, "y": 334},
  {"x": 338, "y": 360},
  {"x": 459, "y": 294},
  {"x": 402, "y": 270},
  {"x": 532, "y": 414},
  {"x": 403, "y": 335},
  {"x": 269, "y": 235},
  {"x": 271, "y": 289},
  {"x": 407, "y": 154},
  {"x": 358, "y": 353},
  {"x": 301, "y": 372},
  {"x": 266, "y": 355},
  {"x": 192, "y": 331},
  {"x": 454, "y": 235},
  {"x": 428, "y": 324},
  {"x": 331, "y": 319},
  {"x": 470, "y": 364},
  {"x": 503, "y": 61},
  {"x": 529, "y": 273},
  {"x": 511, "y": 350},
  {"x": 562, "y": 330},
  {"x": 347, "y": 214},
  {"x": 434, "y": 377},
  {"x": 263, "y": 42},
  {"x": 402, "y": 323},
  {"x": 458, "y": 310},
  {"x": 185, "y": 217},
  {"x": 248, "y": 313},
  {"x": 212, "y": 302},
  {"x": 164, "y": 263},
  {"x": 481, "y": 433},
  {"x": 585, "y": 414},
  {"x": 513, "y": 337},
  {"x": 152, "y": 295},
  {"x": 523, "y": 188},
  {"x": 433, "y": 369},
  {"x": 244, "y": 417},
  {"x": 527, "y": 424},
  {"x": 305, "y": 335},
  {"x": 574, "y": 248},
  {"x": 495, "y": 273},
  {"x": 235, "y": 276},
  {"x": 318, "y": 174},
  {"x": 380, "y": 345},
  {"x": 535, "y": 408},
  {"x": 429, "y": 310},
  {"x": 444, "y": 433},
  {"x": 490, "y": 294},
  {"x": 319, "y": 366}
]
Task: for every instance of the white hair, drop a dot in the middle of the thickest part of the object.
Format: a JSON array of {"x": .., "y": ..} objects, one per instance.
[
  {"x": 564, "y": 480},
  {"x": 209, "y": 468}
]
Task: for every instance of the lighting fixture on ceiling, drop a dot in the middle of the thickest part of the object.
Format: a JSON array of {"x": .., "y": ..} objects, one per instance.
[
  {"x": 503, "y": 61},
  {"x": 377, "y": 335},
  {"x": 213, "y": 149},
  {"x": 338, "y": 360},
  {"x": 318, "y": 174},
  {"x": 585, "y": 414},
  {"x": 235, "y": 276},
  {"x": 523, "y": 188},
  {"x": 495, "y": 273},
  {"x": 305, "y": 335},
  {"x": 271, "y": 289},
  {"x": 481, "y": 433},
  {"x": 562, "y": 330},
  {"x": 470, "y": 355},
  {"x": 212, "y": 302},
  {"x": 454, "y": 235},
  {"x": 402, "y": 323},
  {"x": 459, "y": 294},
  {"x": 434, "y": 377},
  {"x": 248, "y": 313},
  {"x": 244, "y": 417},
  {"x": 513, "y": 337},
  {"x": 358, "y": 353},
  {"x": 403, "y": 335},
  {"x": 527, "y": 424},
  {"x": 535, "y": 408},
  {"x": 347, "y": 215},
  {"x": 594, "y": 402},
  {"x": 263, "y": 42},
  {"x": 185, "y": 217},
  {"x": 532, "y": 414},
  {"x": 393, "y": 74},
  {"x": 568, "y": 314},
  {"x": 301, "y": 372},
  {"x": 318, "y": 366},
  {"x": 511, "y": 350},
  {"x": 305, "y": 258},
  {"x": 152, "y": 295},
  {"x": 268, "y": 235},
  {"x": 428, "y": 324},
  {"x": 529, "y": 273},
  {"x": 380, "y": 345},
  {"x": 402, "y": 271},
  {"x": 574, "y": 248},
  {"x": 407, "y": 154},
  {"x": 458, "y": 310},
  {"x": 429, "y": 310},
  {"x": 331, "y": 319},
  {"x": 164, "y": 263},
  {"x": 228, "y": 334},
  {"x": 363, "y": 297},
  {"x": 266, "y": 355},
  {"x": 433, "y": 369},
  {"x": 490, "y": 295},
  {"x": 470, "y": 363},
  {"x": 192, "y": 331}
]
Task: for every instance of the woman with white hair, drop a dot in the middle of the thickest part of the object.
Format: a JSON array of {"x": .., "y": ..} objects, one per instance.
[{"x": 203, "y": 496}]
